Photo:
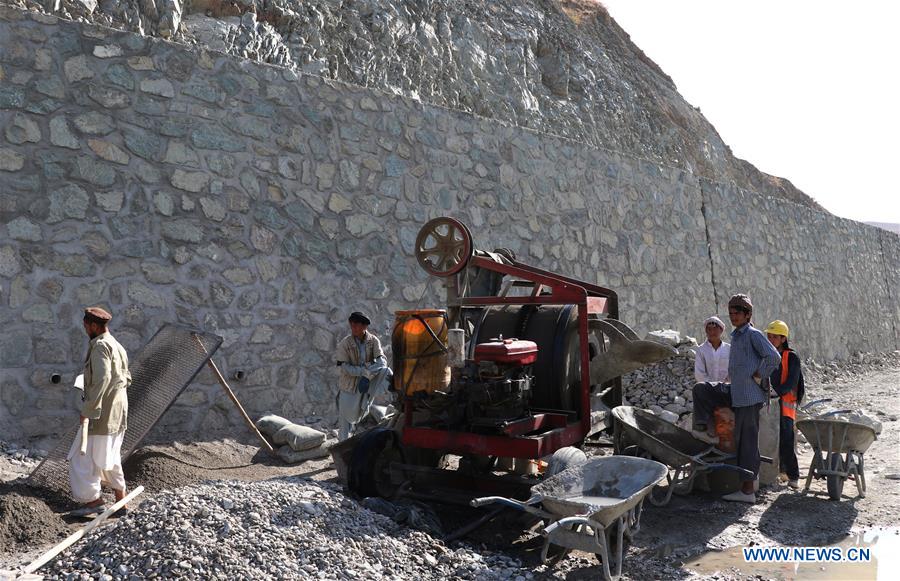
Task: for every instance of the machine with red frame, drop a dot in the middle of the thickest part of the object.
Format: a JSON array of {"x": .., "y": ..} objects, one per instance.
[{"x": 542, "y": 368}]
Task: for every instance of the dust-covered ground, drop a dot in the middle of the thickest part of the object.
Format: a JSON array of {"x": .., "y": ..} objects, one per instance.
[{"x": 667, "y": 546}]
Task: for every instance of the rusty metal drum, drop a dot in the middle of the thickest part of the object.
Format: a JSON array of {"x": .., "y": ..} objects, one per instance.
[{"x": 419, "y": 344}]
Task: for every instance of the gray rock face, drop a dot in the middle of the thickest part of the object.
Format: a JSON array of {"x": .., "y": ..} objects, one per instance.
[{"x": 559, "y": 67}]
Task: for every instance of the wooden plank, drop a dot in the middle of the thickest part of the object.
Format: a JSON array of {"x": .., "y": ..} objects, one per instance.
[{"x": 74, "y": 537}]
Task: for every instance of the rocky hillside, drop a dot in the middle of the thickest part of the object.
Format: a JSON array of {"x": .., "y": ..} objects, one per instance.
[{"x": 558, "y": 66}]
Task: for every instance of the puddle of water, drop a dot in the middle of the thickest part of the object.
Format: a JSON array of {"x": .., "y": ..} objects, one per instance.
[{"x": 884, "y": 563}]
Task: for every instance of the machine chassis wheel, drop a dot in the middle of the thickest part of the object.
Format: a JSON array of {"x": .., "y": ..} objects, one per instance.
[
  {"x": 444, "y": 246},
  {"x": 563, "y": 459}
]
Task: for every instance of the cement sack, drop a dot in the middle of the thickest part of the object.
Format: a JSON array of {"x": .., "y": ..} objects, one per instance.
[
  {"x": 270, "y": 424},
  {"x": 299, "y": 437},
  {"x": 291, "y": 456}
]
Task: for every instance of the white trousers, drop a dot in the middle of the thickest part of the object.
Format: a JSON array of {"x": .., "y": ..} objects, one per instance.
[{"x": 102, "y": 464}]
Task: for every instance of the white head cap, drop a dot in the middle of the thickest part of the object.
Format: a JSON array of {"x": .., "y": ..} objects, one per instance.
[{"x": 714, "y": 320}]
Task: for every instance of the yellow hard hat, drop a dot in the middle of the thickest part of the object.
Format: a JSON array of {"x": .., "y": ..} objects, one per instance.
[{"x": 777, "y": 328}]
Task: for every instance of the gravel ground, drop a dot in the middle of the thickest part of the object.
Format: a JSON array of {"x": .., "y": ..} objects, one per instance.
[
  {"x": 670, "y": 537},
  {"x": 275, "y": 529}
]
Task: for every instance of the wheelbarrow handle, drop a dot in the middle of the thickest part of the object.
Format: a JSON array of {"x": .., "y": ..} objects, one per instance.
[
  {"x": 570, "y": 520},
  {"x": 814, "y": 402},
  {"x": 525, "y": 506}
]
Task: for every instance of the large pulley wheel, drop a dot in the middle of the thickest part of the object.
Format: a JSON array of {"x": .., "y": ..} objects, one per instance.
[{"x": 444, "y": 246}]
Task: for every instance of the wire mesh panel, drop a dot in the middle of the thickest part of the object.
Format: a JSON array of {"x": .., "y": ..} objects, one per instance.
[{"x": 159, "y": 373}]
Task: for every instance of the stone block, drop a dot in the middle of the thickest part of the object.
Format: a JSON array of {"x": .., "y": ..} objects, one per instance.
[
  {"x": 160, "y": 87},
  {"x": 11, "y": 97},
  {"x": 262, "y": 334},
  {"x": 360, "y": 225},
  {"x": 93, "y": 171},
  {"x": 238, "y": 276},
  {"x": 141, "y": 63},
  {"x": 164, "y": 203},
  {"x": 73, "y": 264},
  {"x": 210, "y": 137},
  {"x": 144, "y": 295},
  {"x": 38, "y": 314},
  {"x": 119, "y": 75},
  {"x": 212, "y": 209},
  {"x": 158, "y": 273},
  {"x": 144, "y": 144},
  {"x": 180, "y": 154},
  {"x": 106, "y": 51},
  {"x": 22, "y": 129},
  {"x": 108, "y": 151},
  {"x": 50, "y": 289},
  {"x": 24, "y": 229},
  {"x": 10, "y": 160},
  {"x": 109, "y": 98},
  {"x": 325, "y": 174},
  {"x": 222, "y": 296},
  {"x": 191, "y": 295},
  {"x": 109, "y": 201},
  {"x": 77, "y": 69},
  {"x": 94, "y": 123},
  {"x": 190, "y": 181},
  {"x": 182, "y": 230},
  {"x": 69, "y": 201},
  {"x": 15, "y": 348}
]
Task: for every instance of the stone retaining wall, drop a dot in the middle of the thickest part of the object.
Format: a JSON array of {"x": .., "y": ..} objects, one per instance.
[
  {"x": 177, "y": 185},
  {"x": 834, "y": 281}
]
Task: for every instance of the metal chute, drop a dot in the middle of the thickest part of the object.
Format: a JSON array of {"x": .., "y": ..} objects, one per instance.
[{"x": 625, "y": 353}]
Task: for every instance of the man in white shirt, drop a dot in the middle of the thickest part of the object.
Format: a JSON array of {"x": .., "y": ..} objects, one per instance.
[{"x": 711, "y": 363}]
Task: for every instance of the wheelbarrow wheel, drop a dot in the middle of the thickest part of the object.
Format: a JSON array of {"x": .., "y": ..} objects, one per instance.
[{"x": 835, "y": 482}]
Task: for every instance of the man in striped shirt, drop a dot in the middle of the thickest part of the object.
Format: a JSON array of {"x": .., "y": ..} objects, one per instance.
[{"x": 751, "y": 362}]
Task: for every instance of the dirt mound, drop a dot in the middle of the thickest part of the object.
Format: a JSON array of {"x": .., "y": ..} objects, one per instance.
[
  {"x": 27, "y": 520},
  {"x": 170, "y": 466}
]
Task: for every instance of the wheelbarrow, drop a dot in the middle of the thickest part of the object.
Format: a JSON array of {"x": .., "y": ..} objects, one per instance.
[
  {"x": 640, "y": 433},
  {"x": 839, "y": 447},
  {"x": 594, "y": 507}
]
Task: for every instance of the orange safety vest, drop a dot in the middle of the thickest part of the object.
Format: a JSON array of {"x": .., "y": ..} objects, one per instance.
[{"x": 788, "y": 400}]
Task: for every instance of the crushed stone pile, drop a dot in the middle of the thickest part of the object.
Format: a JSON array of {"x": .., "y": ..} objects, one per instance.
[
  {"x": 666, "y": 388},
  {"x": 276, "y": 529}
]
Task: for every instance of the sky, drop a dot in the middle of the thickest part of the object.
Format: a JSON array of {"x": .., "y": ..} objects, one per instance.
[{"x": 808, "y": 91}]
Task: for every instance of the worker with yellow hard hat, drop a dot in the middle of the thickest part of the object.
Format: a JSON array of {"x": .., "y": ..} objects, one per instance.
[{"x": 787, "y": 382}]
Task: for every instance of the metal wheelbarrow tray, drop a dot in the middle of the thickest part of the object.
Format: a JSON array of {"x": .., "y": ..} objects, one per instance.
[
  {"x": 640, "y": 433},
  {"x": 594, "y": 507},
  {"x": 838, "y": 452}
]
